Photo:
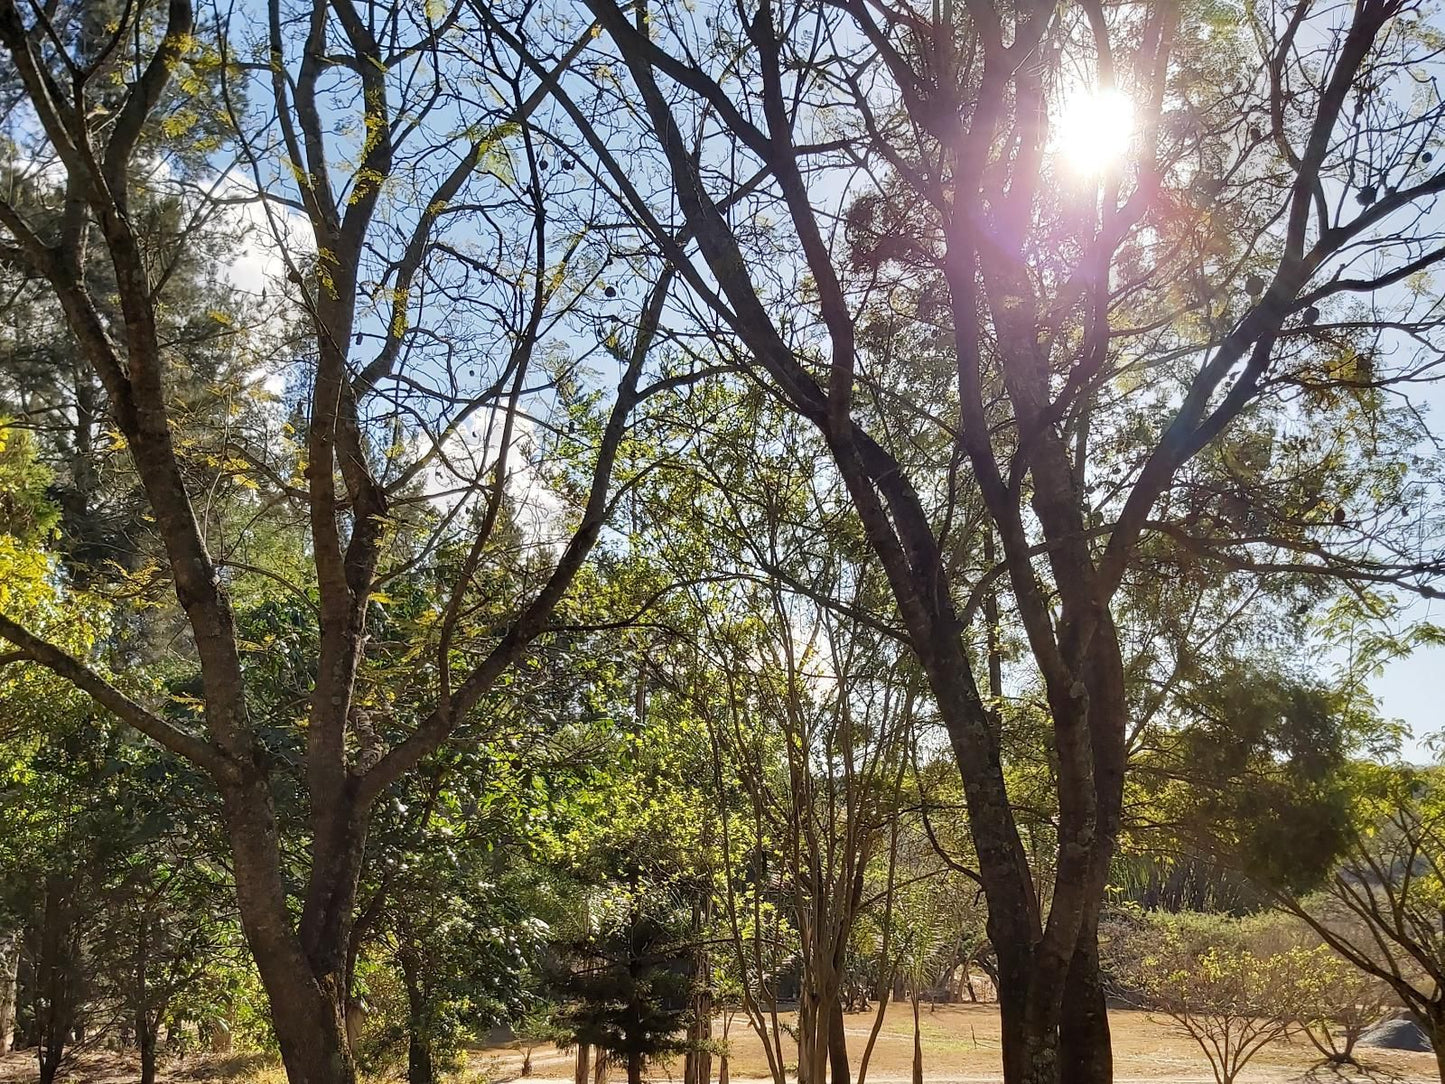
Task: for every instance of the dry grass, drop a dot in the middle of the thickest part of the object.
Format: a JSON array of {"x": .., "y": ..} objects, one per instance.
[
  {"x": 960, "y": 1044},
  {"x": 107, "y": 1067}
]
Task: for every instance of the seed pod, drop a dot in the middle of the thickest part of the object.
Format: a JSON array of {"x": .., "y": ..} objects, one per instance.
[
  {"x": 542, "y": 163},
  {"x": 611, "y": 291},
  {"x": 1425, "y": 156}
]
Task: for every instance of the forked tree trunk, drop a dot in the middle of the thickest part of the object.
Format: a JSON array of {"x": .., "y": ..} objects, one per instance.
[
  {"x": 814, "y": 1046},
  {"x": 56, "y": 997},
  {"x": 310, "y": 1025},
  {"x": 308, "y": 1010}
]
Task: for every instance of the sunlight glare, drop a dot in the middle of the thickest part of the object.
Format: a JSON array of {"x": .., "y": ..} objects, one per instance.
[{"x": 1094, "y": 130}]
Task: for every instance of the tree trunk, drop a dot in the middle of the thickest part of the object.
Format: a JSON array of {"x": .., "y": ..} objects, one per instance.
[
  {"x": 146, "y": 1035},
  {"x": 9, "y": 971},
  {"x": 420, "y": 1065},
  {"x": 1087, "y": 1053},
  {"x": 48, "y": 1060},
  {"x": 917, "y": 1043},
  {"x": 814, "y": 1018},
  {"x": 697, "y": 1068},
  {"x": 1030, "y": 1044},
  {"x": 581, "y": 1069},
  {"x": 1085, "y": 1044},
  {"x": 634, "y": 1068},
  {"x": 56, "y": 972},
  {"x": 420, "y": 1062},
  {"x": 601, "y": 1062},
  {"x": 1434, "y": 1026},
  {"x": 838, "y": 1046},
  {"x": 307, "y": 1010}
]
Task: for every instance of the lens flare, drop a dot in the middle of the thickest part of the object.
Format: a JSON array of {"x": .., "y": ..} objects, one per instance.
[{"x": 1094, "y": 129}]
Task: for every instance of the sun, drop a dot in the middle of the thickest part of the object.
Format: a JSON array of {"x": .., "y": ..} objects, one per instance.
[{"x": 1094, "y": 129}]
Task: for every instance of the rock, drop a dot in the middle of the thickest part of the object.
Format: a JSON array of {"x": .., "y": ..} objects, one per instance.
[{"x": 1398, "y": 1034}]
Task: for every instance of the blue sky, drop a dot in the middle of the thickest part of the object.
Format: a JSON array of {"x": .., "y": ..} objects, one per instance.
[{"x": 1413, "y": 689}]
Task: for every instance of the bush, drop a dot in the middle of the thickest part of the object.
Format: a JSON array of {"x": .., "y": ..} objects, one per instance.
[
  {"x": 1202, "y": 971},
  {"x": 1340, "y": 1002}
]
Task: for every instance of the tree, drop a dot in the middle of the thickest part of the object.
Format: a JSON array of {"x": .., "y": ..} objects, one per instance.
[
  {"x": 881, "y": 232},
  {"x": 1228, "y": 997},
  {"x": 439, "y": 245},
  {"x": 1380, "y": 909},
  {"x": 1342, "y": 1003},
  {"x": 809, "y": 716},
  {"x": 538, "y": 1027},
  {"x": 624, "y": 992},
  {"x": 454, "y": 899}
]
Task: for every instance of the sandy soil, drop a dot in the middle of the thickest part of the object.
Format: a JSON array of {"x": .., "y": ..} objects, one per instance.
[{"x": 960, "y": 1046}]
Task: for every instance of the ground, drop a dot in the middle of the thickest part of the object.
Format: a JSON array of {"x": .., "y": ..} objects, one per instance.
[{"x": 960, "y": 1044}]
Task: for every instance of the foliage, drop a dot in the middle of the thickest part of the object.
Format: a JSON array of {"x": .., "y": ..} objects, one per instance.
[
  {"x": 1230, "y": 998},
  {"x": 622, "y": 990},
  {"x": 719, "y": 509}
]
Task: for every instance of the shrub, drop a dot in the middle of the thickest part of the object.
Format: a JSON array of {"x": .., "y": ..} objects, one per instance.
[{"x": 1202, "y": 971}]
